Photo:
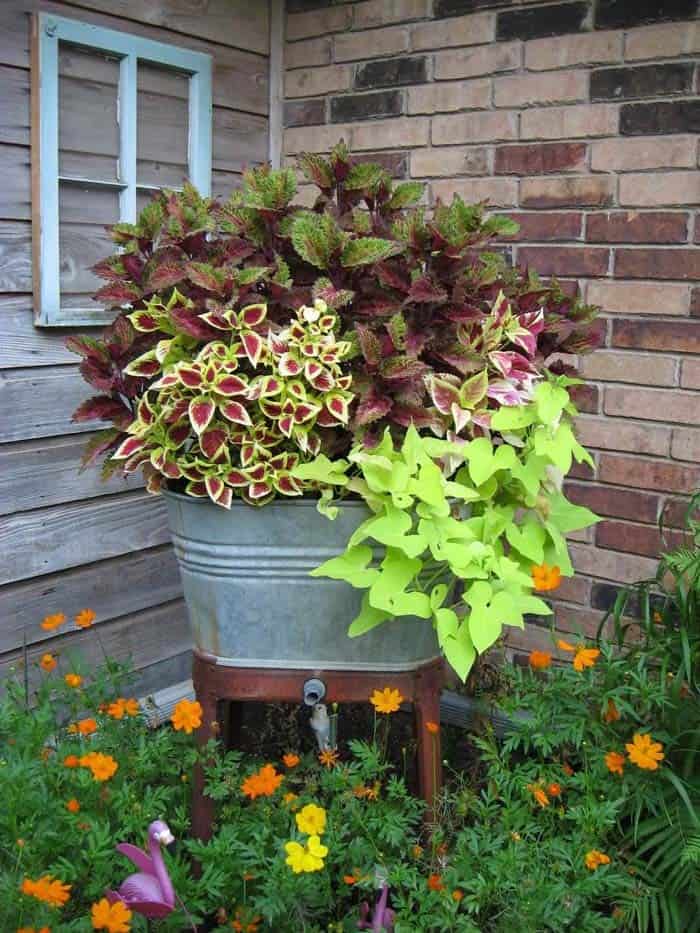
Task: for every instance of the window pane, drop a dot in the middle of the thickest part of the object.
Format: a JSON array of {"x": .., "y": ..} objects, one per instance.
[
  {"x": 88, "y": 129},
  {"x": 163, "y": 126},
  {"x": 83, "y": 241}
]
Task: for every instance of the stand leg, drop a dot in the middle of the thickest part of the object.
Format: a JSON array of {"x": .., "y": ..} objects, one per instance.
[
  {"x": 427, "y": 709},
  {"x": 203, "y": 806}
]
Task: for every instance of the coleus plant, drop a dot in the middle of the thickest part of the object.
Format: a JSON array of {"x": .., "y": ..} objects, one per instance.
[
  {"x": 461, "y": 549},
  {"x": 430, "y": 329}
]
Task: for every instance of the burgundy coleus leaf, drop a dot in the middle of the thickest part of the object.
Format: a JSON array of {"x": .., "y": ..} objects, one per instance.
[
  {"x": 87, "y": 347},
  {"x": 425, "y": 290},
  {"x": 171, "y": 469},
  {"x": 133, "y": 463},
  {"x": 258, "y": 491},
  {"x": 252, "y": 315},
  {"x": 205, "y": 276},
  {"x": 133, "y": 266},
  {"x": 334, "y": 297},
  {"x": 322, "y": 381},
  {"x": 110, "y": 269},
  {"x": 129, "y": 447},
  {"x": 288, "y": 365},
  {"x": 119, "y": 337},
  {"x": 117, "y": 293},
  {"x": 201, "y": 411},
  {"x": 164, "y": 269},
  {"x": 370, "y": 345},
  {"x": 230, "y": 385},
  {"x": 253, "y": 345},
  {"x": 585, "y": 341},
  {"x": 144, "y": 321},
  {"x": 100, "y": 443},
  {"x": 214, "y": 486},
  {"x": 286, "y": 484},
  {"x": 212, "y": 442},
  {"x": 190, "y": 375},
  {"x": 406, "y": 415},
  {"x": 462, "y": 312},
  {"x": 378, "y": 306},
  {"x": 258, "y": 473},
  {"x": 304, "y": 412},
  {"x": 402, "y": 367},
  {"x": 394, "y": 276},
  {"x": 372, "y": 406},
  {"x": 236, "y": 249},
  {"x": 285, "y": 424},
  {"x": 225, "y": 498},
  {"x": 177, "y": 435},
  {"x": 443, "y": 389},
  {"x": 100, "y": 375},
  {"x": 237, "y": 479},
  {"x": 105, "y": 408},
  {"x": 143, "y": 366},
  {"x": 196, "y": 488},
  {"x": 270, "y": 409},
  {"x": 216, "y": 319},
  {"x": 338, "y": 406},
  {"x": 235, "y": 412},
  {"x": 190, "y": 323}
]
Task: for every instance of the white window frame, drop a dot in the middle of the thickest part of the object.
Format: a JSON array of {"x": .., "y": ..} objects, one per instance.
[{"x": 130, "y": 49}]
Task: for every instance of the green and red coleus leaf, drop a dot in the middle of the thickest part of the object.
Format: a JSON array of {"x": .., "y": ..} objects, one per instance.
[
  {"x": 213, "y": 442},
  {"x": 105, "y": 408},
  {"x": 201, "y": 410},
  {"x": 129, "y": 447},
  {"x": 236, "y": 412},
  {"x": 144, "y": 366},
  {"x": 118, "y": 293}
]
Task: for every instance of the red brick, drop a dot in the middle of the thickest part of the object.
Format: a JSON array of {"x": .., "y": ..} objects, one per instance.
[
  {"x": 587, "y": 190},
  {"x": 540, "y": 158},
  {"x": 586, "y": 398},
  {"x": 640, "y": 473},
  {"x": 635, "y": 539},
  {"x": 574, "y": 589},
  {"x": 653, "y": 404},
  {"x": 539, "y": 225},
  {"x": 565, "y": 260},
  {"x": 611, "y": 565},
  {"x": 681, "y": 264},
  {"x": 695, "y": 296},
  {"x": 636, "y": 227},
  {"x": 620, "y": 503},
  {"x": 675, "y": 513},
  {"x": 615, "y": 434},
  {"x": 582, "y": 470},
  {"x": 676, "y": 336}
]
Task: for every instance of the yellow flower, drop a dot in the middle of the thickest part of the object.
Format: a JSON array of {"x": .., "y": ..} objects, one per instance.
[
  {"x": 85, "y": 618},
  {"x": 594, "y": 858},
  {"x": 615, "y": 763},
  {"x": 328, "y": 757},
  {"x": 612, "y": 713},
  {"x": 114, "y": 918},
  {"x": 584, "y": 657},
  {"x": 48, "y": 663},
  {"x": 386, "y": 700},
  {"x": 290, "y": 798},
  {"x": 417, "y": 851},
  {"x": 72, "y": 805},
  {"x": 73, "y": 680},
  {"x": 545, "y": 577},
  {"x": 305, "y": 858},
  {"x": 540, "y": 660},
  {"x": 48, "y": 889},
  {"x": 290, "y": 760},
  {"x": 644, "y": 752},
  {"x": 53, "y": 621},
  {"x": 311, "y": 820},
  {"x": 187, "y": 716}
]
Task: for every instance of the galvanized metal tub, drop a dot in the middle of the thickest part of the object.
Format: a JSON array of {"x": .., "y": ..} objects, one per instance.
[{"x": 252, "y": 603}]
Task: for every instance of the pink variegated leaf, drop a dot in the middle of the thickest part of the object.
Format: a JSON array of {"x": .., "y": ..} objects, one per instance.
[
  {"x": 117, "y": 293},
  {"x": 461, "y": 417},
  {"x": 443, "y": 389},
  {"x": 323, "y": 382},
  {"x": 372, "y": 406},
  {"x": 225, "y": 498},
  {"x": 143, "y": 366},
  {"x": 285, "y": 424},
  {"x": 212, "y": 442},
  {"x": 145, "y": 321},
  {"x": 190, "y": 375},
  {"x": 166, "y": 381},
  {"x": 253, "y": 345},
  {"x": 473, "y": 390},
  {"x": 196, "y": 488},
  {"x": 312, "y": 369},
  {"x": 252, "y": 315},
  {"x": 505, "y": 393},
  {"x": 237, "y": 479},
  {"x": 247, "y": 454},
  {"x": 278, "y": 345},
  {"x": 230, "y": 385},
  {"x": 258, "y": 491},
  {"x": 305, "y": 412},
  {"x": 214, "y": 486},
  {"x": 234, "y": 411},
  {"x": 128, "y": 447},
  {"x": 258, "y": 473},
  {"x": 287, "y": 485},
  {"x": 297, "y": 389},
  {"x": 201, "y": 411},
  {"x": 216, "y": 319},
  {"x": 338, "y": 406}
]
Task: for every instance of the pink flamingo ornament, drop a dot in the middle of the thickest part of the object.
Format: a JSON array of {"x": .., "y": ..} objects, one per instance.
[{"x": 150, "y": 891}]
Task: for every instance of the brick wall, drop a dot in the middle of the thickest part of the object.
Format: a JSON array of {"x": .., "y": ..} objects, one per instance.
[{"x": 580, "y": 120}]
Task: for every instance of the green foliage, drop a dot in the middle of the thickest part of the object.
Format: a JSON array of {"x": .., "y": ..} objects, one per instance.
[{"x": 459, "y": 547}]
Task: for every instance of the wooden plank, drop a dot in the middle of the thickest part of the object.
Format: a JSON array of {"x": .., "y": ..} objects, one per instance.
[
  {"x": 88, "y": 204},
  {"x": 240, "y": 77},
  {"x": 14, "y": 113},
  {"x": 23, "y": 344},
  {"x": 15, "y": 256},
  {"x": 15, "y": 191},
  {"x": 163, "y": 674},
  {"x": 49, "y": 540},
  {"x": 111, "y": 588},
  {"x": 147, "y": 638},
  {"x": 80, "y": 247},
  {"x": 239, "y": 140},
  {"x": 40, "y": 403},
  {"x": 223, "y": 183},
  {"x": 39, "y": 474},
  {"x": 277, "y": 23}
]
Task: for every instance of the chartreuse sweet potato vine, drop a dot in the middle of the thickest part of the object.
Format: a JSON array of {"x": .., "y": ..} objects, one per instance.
[{"x": 459, "y": 547}]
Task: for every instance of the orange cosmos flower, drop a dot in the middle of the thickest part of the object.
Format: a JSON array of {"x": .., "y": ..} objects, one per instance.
[
  {"x": 435, "y": 883},
  {"x": 544, "y": 577},
  {"x": 73, "y": 806},
  {"x": 350, "y": 879},
  {"x": 612, "y": 713},
  {"x": 73, "y": 680},
  {"x": 594, "y": 858},
  {"x": 48, "y": 663},
  {"x": 564, "y": 645},
  {"x": 85, "y": 618},
  {"x": 47, "y": 889},
  {"x": 33, "y": 930},
  {"x": 432, "y": 727},
  {"x": 53, "y": 621},
  {"x": 539, "y": 795},
  {"x": 417, "y": 851},
  {"x": 263, "y": 783},
  {"x": 567, "y": 769},
  {"x": 122, "y": 707},
  {"x": 457, "y": 895},
  {"x": 539, "y": 660},
  {"x": 114, "y": 918},
  {"x": 328, "y": 757},
  {"x": 103, "y": 767},
  {"x": 386, "y": 701},
  {"x": 615, "y": 763},
  {"x": 644, "y": 752},
  {"x": 554, "y": 789},
  {"x": 83, "y": 727},
  {"x": 71, "y": 761},
  {"x": 187, "y": 716},
  {"x": 584, "y": 657},
  {"x": 290, "y": 760}
]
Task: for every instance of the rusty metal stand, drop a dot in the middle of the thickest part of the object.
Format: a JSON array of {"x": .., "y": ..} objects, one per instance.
[{"x": 215, "y": 682}]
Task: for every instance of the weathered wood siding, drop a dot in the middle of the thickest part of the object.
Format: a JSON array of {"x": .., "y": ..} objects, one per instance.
[{"x": 68, "y": 542}]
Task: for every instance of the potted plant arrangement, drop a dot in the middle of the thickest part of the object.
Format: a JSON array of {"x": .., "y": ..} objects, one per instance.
[{"x": 361, "y": 361}]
